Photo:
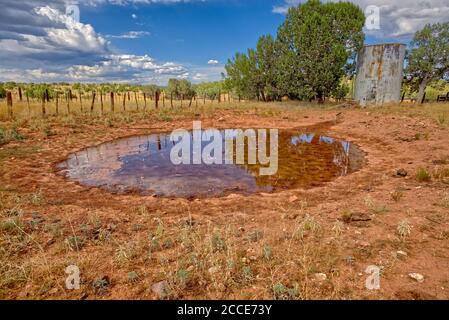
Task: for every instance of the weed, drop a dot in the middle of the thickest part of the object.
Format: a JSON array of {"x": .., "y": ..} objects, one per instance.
[
  {"x": 9, "y": 135},
  {"x": 267, "y": 252},
  {"x": 217, "y": 242},
  {"x": 255, "y": 236},
  {"x": 338, "y": 228},
  {"x": 422, "y": 175},
  {"x": 397, "y": 195},
  {"x": 281, "y": 292},
  {"x": 133, "y": 276},
  {"x": 404, "y": 230},
  {"x": 100, "y": 285},
  {"x": 74, "y": 243}
]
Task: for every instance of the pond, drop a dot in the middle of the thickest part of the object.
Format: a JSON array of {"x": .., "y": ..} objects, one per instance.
[{"x": 142, "y": 164}]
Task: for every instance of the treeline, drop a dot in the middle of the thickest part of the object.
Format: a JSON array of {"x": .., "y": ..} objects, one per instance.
[
  {"x": 313, "y": 50},
  {"x": 176, "y": 89}
]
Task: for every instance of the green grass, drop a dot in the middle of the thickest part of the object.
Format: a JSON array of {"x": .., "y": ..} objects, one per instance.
[
  {"x": 9, "y": 135},
  {"x": 423, "y": 175}
]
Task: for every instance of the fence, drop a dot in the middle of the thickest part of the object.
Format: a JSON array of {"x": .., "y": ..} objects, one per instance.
[{"x": 100, "y": 102}]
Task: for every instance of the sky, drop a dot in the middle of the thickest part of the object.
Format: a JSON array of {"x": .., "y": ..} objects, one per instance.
[{"x": 151, "y": 41}]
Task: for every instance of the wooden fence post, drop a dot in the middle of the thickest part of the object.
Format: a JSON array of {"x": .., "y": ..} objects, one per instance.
[
  {"x": 171, "y": 99},
  {"x": 57, "y": 103},
  {"x": 112, "y": 101},
  {"x": 81, "y": 101},
  {"x": 20, "y": 94},
  {"x": 44, "y": 112},
  {"x": 9, "y": 103},
  {"x": 124, "y": 101},
  {"x": 145, "y": 101},
  {"x": 93, "y": 102},
  {"x": 137, "y": 102},
  {"x": 28, "y": 104},
  {"x": 101, "y": 101},
  {"x": 68, "y": 101},
  {"x": 156, "y": 99}
]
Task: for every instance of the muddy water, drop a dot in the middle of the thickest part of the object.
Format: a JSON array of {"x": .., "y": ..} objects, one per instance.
[{"x": 142, "y": 164}]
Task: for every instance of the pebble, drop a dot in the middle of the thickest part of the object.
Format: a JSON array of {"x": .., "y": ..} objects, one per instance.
[
  {"x": 401, "y": 254},
  {"x": 320, "y": 277},
  {"x": 160, "y": 288},
  {"x": 416, "y": 276}
]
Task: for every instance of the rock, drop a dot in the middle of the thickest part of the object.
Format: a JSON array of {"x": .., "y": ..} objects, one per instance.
[
  {"x": 401, "y": 254},
  {"x": 320, "y": 277},
  {"x": 214, "y": 270},
  {"x": 292, "y": 199},
  {"x": 160, "y": 288},
  {"x": 253, "y": 258},
  {"x": 416, "y": 276},
  {"x": 401, "y": 173}
]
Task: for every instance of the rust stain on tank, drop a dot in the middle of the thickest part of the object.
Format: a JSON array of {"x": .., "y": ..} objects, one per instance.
[{"x": 379, "y": 74}]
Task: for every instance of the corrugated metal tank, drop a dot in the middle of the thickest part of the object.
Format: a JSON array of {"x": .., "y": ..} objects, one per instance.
[{"x": 379, "y": 74}]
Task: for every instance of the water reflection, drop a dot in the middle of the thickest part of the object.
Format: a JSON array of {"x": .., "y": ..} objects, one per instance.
[{"x": 142, "y": 164}]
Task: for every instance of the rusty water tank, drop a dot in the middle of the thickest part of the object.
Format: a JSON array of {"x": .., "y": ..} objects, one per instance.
[{"x": 379, "y": 74}]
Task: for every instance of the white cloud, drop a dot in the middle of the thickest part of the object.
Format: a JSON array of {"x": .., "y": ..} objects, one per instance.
[
  {"x": 39, "y": 43},
  {"x": 134, "y": 16},
  {"x": 213, "y": 62},
  {"x": 131, "y": 35},
  {"x": 397, "y": 18}
]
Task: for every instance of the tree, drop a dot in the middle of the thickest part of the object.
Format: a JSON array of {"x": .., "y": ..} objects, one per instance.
[
  {"x": 428, "y": 58},
  {"x": 2, "y": 92},
  {"x": 318, "y": 44}
]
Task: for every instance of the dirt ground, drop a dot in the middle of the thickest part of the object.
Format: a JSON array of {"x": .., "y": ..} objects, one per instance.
[{"x": 296, "y": 244}]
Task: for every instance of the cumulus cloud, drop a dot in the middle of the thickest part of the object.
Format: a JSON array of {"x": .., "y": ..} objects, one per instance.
[
  {"x": 213, "y": 62},
  {"x": 397, "y": 18},
  {"x": 39, "y": 42}
]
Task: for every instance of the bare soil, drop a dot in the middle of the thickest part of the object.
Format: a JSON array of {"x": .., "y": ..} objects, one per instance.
[{"x": 261, "y": 246}]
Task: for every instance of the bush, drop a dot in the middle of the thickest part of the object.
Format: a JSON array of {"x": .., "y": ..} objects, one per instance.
[{"x": 2, "y": 92}]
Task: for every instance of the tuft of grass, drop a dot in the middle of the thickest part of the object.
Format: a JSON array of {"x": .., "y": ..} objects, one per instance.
[
  {"x": 404, "y": 230},
  {"x": 217, "y": 242},
  {"x": 422, "y": 175},
  {"x": 282, "y": 292},
  {"x": 338, "y": 228},
  {"x": 375, "y": 206},
  {"x": 9, "y": 135},
  {"x": 397, "y": 195},
  {"x": 74, "y": 243}
]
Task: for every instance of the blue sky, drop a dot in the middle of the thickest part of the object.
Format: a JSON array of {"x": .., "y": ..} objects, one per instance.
[{"x": 150, "y": 41}]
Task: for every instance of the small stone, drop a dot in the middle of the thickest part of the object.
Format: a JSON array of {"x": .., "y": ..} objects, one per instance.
[
  {"x": 320, "y": 277},
  {"x": 190, "y": 268},
  {"x": 214, "y": 270},
  {"x": 253, "y": 258},
  {"x": 292, "y": 199},
  {"x": 416, "y": 276},
  {"x": 401, "y": 173},
  {"x": 160, "y": 288},
  {"x": 401, "y": 254}
]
